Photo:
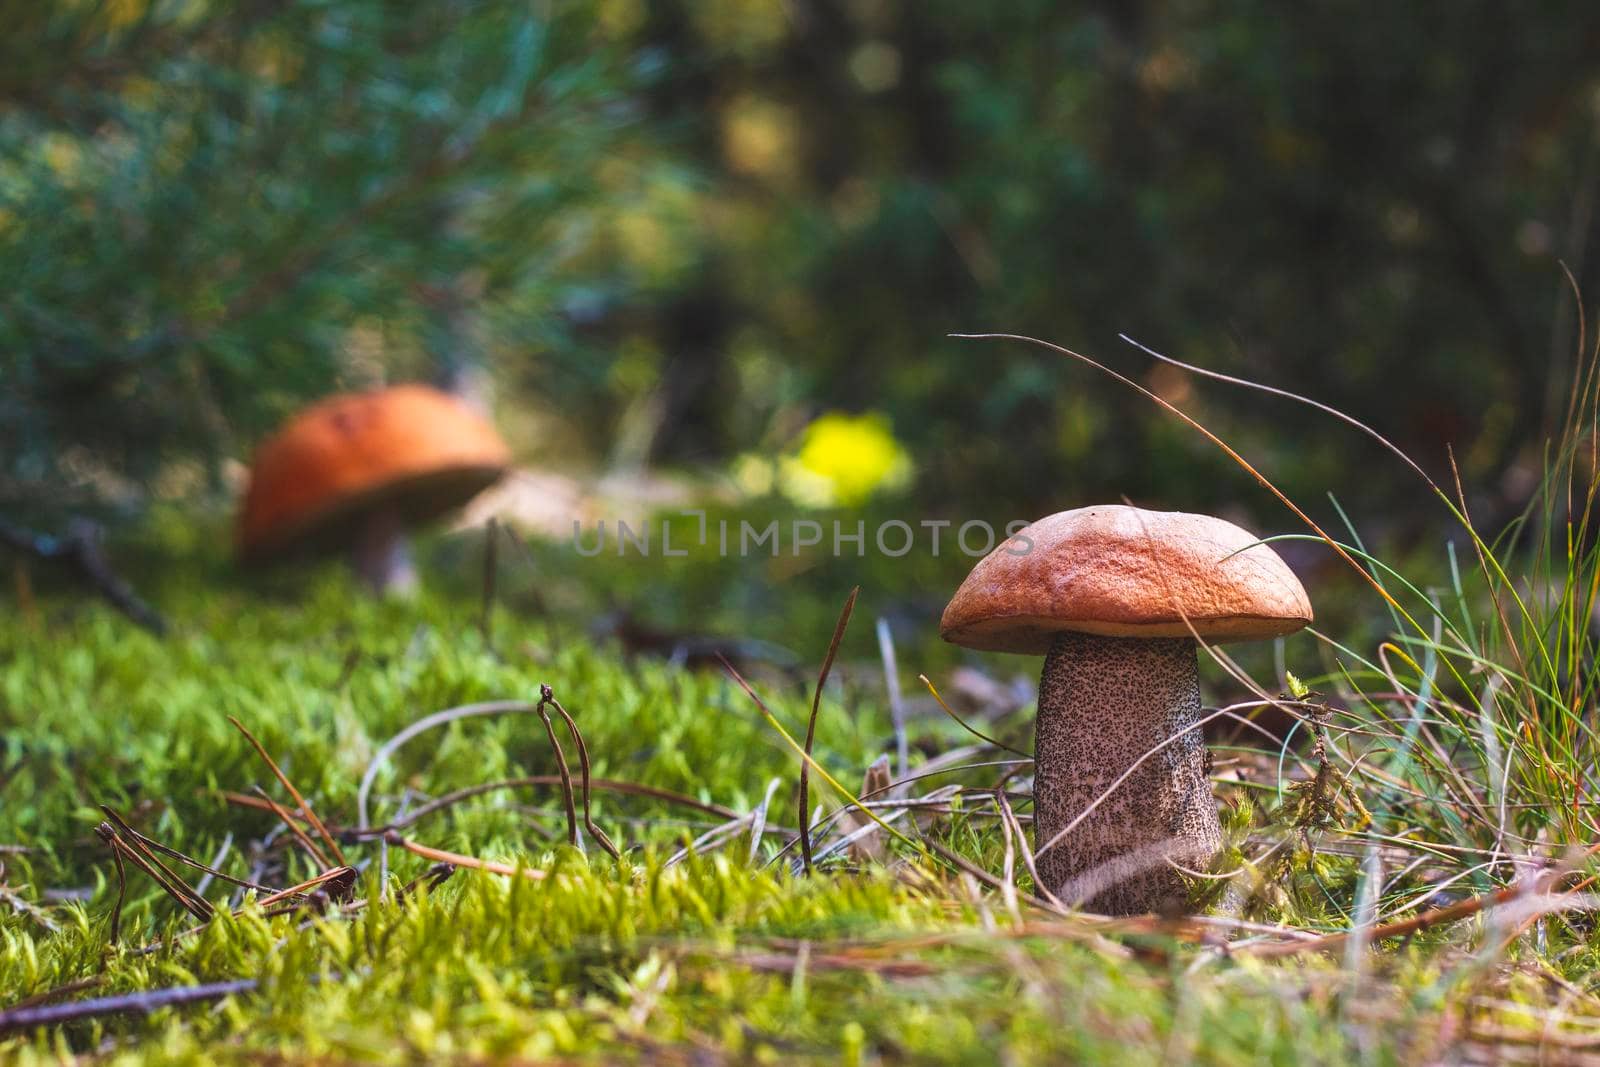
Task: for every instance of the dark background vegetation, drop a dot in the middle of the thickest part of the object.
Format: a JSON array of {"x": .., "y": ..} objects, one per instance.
[{"x": 667, "y": 234}]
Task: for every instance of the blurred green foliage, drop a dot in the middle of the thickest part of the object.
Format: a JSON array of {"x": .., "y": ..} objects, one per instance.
[
  {"x": 210, "y": 212},
  {"x": 675, "y": 232},
  {"x": 1366, "y": 207}
]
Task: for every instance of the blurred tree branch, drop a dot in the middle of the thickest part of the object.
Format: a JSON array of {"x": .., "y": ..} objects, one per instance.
[{"x": 79, "y": 552}]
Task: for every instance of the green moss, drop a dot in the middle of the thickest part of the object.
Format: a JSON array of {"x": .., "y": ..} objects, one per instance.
[{"x": 633, "y": 960}]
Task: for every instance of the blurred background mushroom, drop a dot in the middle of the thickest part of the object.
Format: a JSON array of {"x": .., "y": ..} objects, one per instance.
[{"x": 356, "y": 472}]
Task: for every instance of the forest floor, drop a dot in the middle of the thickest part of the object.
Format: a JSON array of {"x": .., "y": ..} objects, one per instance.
[{"x": 435, "y": 924}]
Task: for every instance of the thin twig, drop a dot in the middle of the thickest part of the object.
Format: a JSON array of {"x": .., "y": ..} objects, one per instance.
[
  {"x": 772, "y": 720},
  {"x": 545, "y": 696},
  {"x": 340, "y": 880},
  {"x": 546, "y": 693},
  {"x": 209, "y": 870},
  {"x": 811, "y": 726},
  {"x": 122, "y": 894},
  {"x": 1008, "y": 872},
  {"x": 439, "y": 855},
  {"x": 143, "y": 1003},
  {"x": 288, "y": 820},
  {"x": 120, "y": 848},
  {"x": 1433, "y": 917},
  {"x": 124, "y": 836},
  {"x": 863, "y": 803},
  {"x": 717, "y": 835},
  {"x": 1009, "y": 818},
  {"x": 988, "y": 879},
  {"x": 305, "y": 809}
]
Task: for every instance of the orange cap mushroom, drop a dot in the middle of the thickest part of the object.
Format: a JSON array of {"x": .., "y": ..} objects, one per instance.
[{"x": 357, "y": 470}]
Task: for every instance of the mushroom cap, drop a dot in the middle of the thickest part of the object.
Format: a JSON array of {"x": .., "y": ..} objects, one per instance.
[
  {"x": 1121, "y": 571},
  {"x": 409, "y": 448}
]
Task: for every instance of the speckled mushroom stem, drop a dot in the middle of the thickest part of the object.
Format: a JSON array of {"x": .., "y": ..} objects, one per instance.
[
  {"x": 381, "y": 555},
  {"x": 1103, "y": 703}
]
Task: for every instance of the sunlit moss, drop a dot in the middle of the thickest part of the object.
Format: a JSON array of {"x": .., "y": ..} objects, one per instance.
[{"x": 611, "y": 961}]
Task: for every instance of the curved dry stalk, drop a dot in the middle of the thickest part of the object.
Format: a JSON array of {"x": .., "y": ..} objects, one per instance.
[
  {"x": 118, "y": 838},
  {"x": 209, "y": 869},
  {"x": 1458, "y": 508},
  {"x": 547, "y": 694},
  {"x": 1231, "y": 452},
  {"x": 1287, "y": 395},
  {"x": 289, "y": 823},
  {"x": 959, "y": 721},
  {"x": 966, "y": 866},
  {"x": 422, "y": 725},
  {"x": 305, "y": 809},
  {"x": 1008, "y": 872},
  {"x": 561, "y": 768},
  {"x": 489, "y": 708}
]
